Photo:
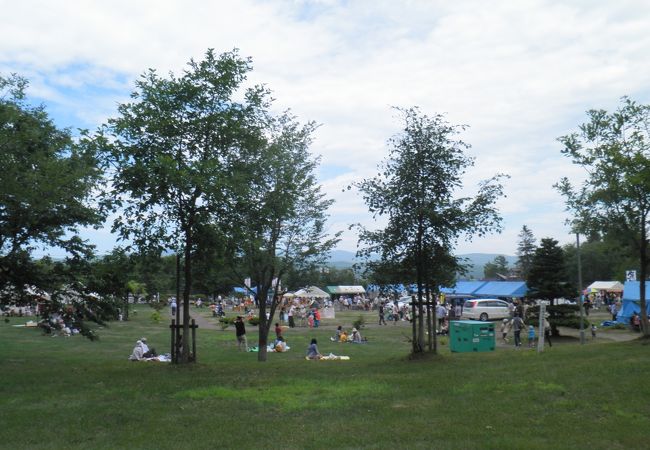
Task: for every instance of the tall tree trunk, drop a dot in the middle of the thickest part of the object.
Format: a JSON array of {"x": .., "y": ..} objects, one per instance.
[
  {"x": 187, "y": 289},
  {"x": 264, "y": 325},
  {"x": 643, "y": 275},
  {"x": 430, "y": 330}
]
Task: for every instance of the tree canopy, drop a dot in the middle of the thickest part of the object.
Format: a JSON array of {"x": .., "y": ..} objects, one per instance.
[
  {"x": 46, "y": 184},
  {"x": 278, "y": 226},
  {"x": 416, "y": 191},
  {"x": 174, "y": 151},
  {"x": 499, "y": 266},
  {"x": 525, "y": 251},
  {"x": 547, "y": 278},
  {"x": 614, "y": 150}
]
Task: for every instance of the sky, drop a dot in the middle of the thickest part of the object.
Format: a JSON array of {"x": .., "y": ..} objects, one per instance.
[{"x": 519, "y": 74}]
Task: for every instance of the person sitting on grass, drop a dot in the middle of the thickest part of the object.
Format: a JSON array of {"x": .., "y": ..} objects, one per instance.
[
  {"x": 138, "y": 353},
  {"x": 337, "y": 336},
  {"x": 355, "y": 338},
  {"x": 146, "y": 351},
  {"x": 280, "y": 345},
  {"x": 312, "y": 350}
]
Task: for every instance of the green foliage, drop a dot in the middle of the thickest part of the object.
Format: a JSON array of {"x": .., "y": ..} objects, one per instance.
[
  {"x": 601, "y": 258},
  {"x": 46, "y": 183},
  {"x": 359, "y": 323},
  {"x": 279, "y": 218},
  {"x": 156, "y": 317},
  {"x": 158, "y": 305},
  {"x": 176, "y": 151},
  {"x": 225, "y": 322},
  {"x": 415, "y": 190},
  {"x": 525, "y": 251},
  {"x": 614, "y": 199},
  {"x": 497, "y": 267},
  {"x": 558, "y": 316},
  {"x": 547, "y": 277}
]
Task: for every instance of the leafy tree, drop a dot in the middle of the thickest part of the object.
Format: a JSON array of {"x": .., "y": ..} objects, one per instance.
[
  {"x": 111, "y": 276},
  {"x": 46, "y": 184},
  {"x": 495, "y": 268},
  {"x": 614, "y": 150},
  {"x": 173, "y": 149},
  {"x": 415, "y": 190},
  {"x": 525, "y": 251},
  {"x": 602, "y": 259},
  {"x": 547, "y": 277},
  {"x": 210, "y": 274},
  {"x": 279, "y": 218}
]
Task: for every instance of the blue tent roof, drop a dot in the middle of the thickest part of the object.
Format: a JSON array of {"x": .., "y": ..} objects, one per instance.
[
  {"x": 630, "y": 304},
  {"x": 243, "y": 290},
  {"x": 632, "y": 290},
  {"x": 502, "y": 289},
  {"x": 463, "y": 288}
]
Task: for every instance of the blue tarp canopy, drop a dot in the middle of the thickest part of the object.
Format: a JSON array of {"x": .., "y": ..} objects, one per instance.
[
  {"x": 243, "y": 290},
  {"x": 631, "y": 298},
  {"x": 463, "y": 288},
  {"x": 515, "y": 289}
]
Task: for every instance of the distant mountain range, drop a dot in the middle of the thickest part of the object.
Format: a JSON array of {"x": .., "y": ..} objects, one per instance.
[{"x": 342, "y": 259}]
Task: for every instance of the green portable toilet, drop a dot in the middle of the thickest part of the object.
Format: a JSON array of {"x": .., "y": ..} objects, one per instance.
[{"x": 471, "y": 336}]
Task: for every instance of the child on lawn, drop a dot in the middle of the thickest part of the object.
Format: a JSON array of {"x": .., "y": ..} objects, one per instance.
[{"x": 531, "y": 336}]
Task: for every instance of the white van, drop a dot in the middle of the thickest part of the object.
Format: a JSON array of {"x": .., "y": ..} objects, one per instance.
[{"x": 485, "y": 309}]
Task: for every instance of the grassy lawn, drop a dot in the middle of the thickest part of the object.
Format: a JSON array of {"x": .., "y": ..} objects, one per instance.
[{"x": 73, "y": 393}]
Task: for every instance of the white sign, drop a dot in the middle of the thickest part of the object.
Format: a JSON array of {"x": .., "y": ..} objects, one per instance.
[
  {"x": 630, "y": 275},
  {"x": 247, "y": 283}
]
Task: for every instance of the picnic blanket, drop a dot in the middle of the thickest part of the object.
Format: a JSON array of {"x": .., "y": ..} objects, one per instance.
[{"x": 330, "y": 357}]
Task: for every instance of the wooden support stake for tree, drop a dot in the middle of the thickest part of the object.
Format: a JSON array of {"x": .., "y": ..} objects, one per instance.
[
  {"x": 173, "y": 349},
  {"x": 429, "y": 328},
  {"x": 413, "y": 321},
  {"x": 194, "y": 327}
]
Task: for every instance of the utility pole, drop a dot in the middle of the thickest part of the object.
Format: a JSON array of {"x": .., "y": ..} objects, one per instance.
[{"x": 582, "y": 304}]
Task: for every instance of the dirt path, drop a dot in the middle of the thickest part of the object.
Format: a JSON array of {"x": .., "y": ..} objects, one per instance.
[{"x": 201, "y": 321}]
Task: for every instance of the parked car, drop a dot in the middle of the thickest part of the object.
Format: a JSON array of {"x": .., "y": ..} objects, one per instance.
[{"x": 485, "y": 309}]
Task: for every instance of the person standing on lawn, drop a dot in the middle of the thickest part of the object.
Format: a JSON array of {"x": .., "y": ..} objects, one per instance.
[
  {"x": 547, "y": 332},
  {"x": 240, "y": 332},
  {"x": 505, "y": 327},
  {"x": 517, "y": 325}
]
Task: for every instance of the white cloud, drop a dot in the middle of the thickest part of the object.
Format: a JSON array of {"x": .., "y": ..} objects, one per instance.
[{"x": 519, "y": 73}]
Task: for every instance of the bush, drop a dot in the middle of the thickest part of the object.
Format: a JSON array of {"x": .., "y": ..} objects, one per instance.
[
  {"x": 225, "y": 322},
  {"x": 558, "y": 316},
  {"x": 158, "y": 305},
  {"x": 156, "y": 317},
  {"x": 359, "y": 323}
]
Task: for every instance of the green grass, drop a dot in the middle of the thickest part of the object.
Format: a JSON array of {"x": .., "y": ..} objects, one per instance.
[{"x": 73, "y": 393}]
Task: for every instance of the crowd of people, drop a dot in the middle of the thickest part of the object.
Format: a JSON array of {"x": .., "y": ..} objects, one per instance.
[{"x": 306, "y": 312}]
